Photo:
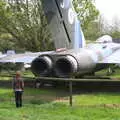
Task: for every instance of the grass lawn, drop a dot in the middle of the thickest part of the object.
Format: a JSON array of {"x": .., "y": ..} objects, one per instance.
[
  {"x": 104, "y": 73},
  {"x": 51, "y": 104}
]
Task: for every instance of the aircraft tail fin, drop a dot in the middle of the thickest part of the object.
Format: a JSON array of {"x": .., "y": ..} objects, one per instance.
[
  {"x": 64, "y": 24},
  {"x": 79, "y": 39}
]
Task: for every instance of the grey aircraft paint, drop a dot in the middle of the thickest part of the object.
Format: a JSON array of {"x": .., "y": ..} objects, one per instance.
[
  {"x": 62, "y": 20},
  {"x": 67, "y": 33}
]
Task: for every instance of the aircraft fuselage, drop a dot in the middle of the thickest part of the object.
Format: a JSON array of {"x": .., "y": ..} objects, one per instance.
[{"x": 69, "y": 62}]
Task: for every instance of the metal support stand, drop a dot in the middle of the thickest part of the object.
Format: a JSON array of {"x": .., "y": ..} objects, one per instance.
[{"x": 70, "y": 90}]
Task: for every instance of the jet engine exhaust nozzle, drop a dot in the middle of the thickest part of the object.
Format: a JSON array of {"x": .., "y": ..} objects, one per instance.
[
  {"x": 65, "y": 66},
  {"x": 41, "y": 66}
]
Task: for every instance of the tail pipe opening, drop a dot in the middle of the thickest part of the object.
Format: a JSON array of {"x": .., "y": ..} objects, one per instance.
[
  {"x": 42, "y": 66},
  {"x": 65, "y": 66}
]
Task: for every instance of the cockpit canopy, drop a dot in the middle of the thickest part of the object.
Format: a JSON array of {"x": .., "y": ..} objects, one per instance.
[{"x": 104, "y": 39}]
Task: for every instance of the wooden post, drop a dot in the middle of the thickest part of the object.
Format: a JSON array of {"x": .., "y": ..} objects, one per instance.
[{"x": 70, "y": 90}]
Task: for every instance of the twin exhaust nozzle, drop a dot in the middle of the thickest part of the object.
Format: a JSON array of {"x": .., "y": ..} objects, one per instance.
[
  {"x": 64, "y": 66},
  {"x": 41, "y": 66}
]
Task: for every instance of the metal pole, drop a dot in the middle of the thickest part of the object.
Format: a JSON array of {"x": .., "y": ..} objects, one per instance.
[{"x": 70, "y": 90}]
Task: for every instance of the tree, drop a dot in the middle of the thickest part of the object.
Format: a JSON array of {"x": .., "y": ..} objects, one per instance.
[
  {"x": 93, "y": 31},
  {"x": 86, "y": 10},
  {"x": 27, "y": 25},
  {"x": 88, "y": 15},
  {"x": 5, "y": 38},
  {"x": 111, "y": 28},
  {"x": 115, "y": 29}
]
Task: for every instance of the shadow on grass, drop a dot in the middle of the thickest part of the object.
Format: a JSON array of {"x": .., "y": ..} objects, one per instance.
[
  {"x": 39, "y": 102},
  {"x": 32, "y": 96}
]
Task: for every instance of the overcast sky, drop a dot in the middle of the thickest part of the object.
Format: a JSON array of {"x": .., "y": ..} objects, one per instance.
[{"x": 110, "y": 9}]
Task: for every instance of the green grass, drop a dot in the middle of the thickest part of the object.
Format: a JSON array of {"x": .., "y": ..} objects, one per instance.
[
  {"x": 97, "y": 99},
  {"x": 115, "y": 74},
  {"x": 51, "y": 104}
]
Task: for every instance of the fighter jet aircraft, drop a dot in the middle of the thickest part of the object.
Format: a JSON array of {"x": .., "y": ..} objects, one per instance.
[{"x": 72, "y": 55}]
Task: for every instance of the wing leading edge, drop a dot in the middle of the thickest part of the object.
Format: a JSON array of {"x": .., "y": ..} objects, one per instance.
[{"x": 22, "y": 58}]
